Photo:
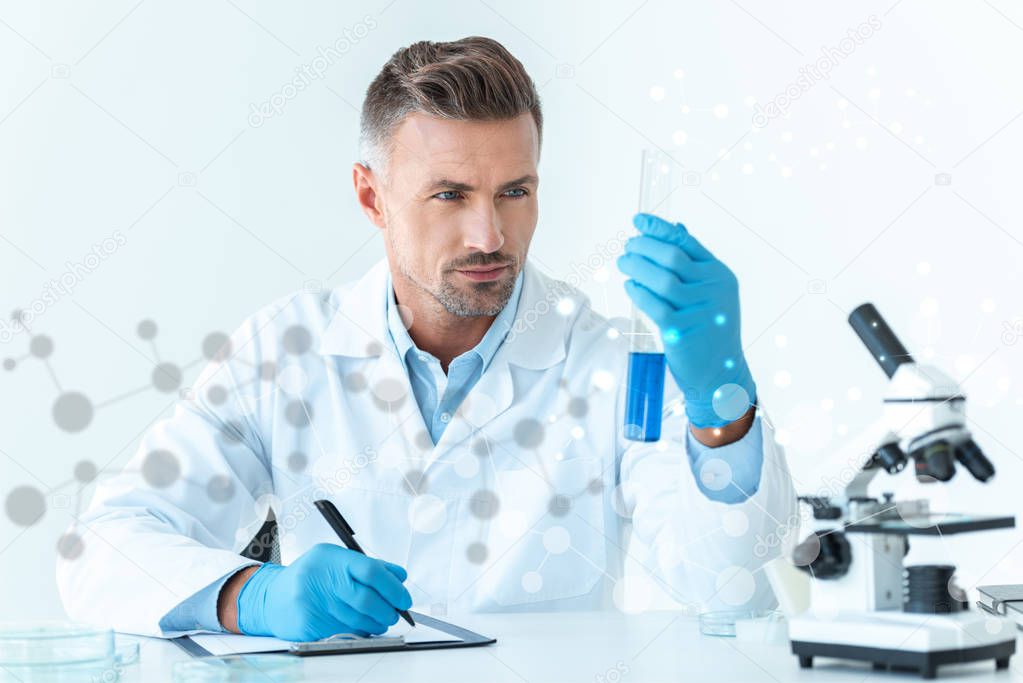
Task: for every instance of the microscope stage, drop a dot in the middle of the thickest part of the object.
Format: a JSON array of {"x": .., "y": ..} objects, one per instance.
[{"x": 933, "y": 524}]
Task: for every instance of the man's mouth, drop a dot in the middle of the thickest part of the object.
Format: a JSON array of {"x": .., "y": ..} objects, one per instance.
[{"x": 484, "y": 273}]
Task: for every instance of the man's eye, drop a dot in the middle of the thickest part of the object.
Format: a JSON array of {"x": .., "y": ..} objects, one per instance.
[
  {"x": 447, "y": 195},
  {"x": 516, "y": 192}
]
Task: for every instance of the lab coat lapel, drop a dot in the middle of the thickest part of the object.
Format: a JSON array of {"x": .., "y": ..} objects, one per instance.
[
  {"x": 359, "y": 330},
  {"x": 491, "y": 396}
]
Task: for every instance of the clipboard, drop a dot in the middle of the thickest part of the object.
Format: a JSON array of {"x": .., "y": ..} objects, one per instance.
[{"x": 355, "y": 644}]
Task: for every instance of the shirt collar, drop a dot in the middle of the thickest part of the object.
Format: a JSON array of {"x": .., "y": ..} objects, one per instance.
[{"x": 487, "y": 346}]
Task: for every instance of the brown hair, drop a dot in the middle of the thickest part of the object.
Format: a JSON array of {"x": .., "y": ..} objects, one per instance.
[{"x": 473, "y": 78}]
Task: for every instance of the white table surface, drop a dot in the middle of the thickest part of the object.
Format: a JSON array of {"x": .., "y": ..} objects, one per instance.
[{"x": 604, "y": 647}]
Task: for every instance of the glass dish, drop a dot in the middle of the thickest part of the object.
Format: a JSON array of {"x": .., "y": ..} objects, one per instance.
[
  {"x": 55, "y": 652},
  {"x": 722, "y": 623}
]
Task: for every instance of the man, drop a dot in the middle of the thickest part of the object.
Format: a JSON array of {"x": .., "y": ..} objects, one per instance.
[{"x": 461, "y": 409}]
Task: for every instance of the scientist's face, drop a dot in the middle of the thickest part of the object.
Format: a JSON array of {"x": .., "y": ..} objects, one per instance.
[{"x": 458, "y": 207}]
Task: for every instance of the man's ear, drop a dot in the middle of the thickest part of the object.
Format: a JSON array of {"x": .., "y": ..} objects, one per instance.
[{"x": 366, "y": 185}]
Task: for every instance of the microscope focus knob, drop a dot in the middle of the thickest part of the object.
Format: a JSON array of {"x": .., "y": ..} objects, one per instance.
[
  {"x": 827, "y": 512},
  {"x": 824, "y": 554}
]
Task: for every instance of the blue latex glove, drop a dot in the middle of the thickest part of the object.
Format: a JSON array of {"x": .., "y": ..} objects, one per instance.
[
  {"x": 694, "y": 299},
  {"x": 328, "y": 590}
]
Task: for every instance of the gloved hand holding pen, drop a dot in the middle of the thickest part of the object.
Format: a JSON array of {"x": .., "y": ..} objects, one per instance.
[
  {"x": 694, "y": 299},
  {"x": 328, "y": 590}
]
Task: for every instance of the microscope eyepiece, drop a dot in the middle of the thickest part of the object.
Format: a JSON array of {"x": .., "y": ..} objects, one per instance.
[
  {"x": 879, "y": 339},
  {"x": 973, "y": 459},
  {"x": 891, "y": 457}
]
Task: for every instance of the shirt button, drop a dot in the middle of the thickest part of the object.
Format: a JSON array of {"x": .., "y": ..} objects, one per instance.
[
  {"x": 422, "y": 357},
  {"x": 445, "y": 417}
]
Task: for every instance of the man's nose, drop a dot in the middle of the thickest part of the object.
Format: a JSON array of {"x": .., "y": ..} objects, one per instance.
[{"x": 483, "y": 231}]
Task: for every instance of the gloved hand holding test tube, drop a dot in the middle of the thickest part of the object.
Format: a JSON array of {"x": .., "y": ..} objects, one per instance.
[{"x": 685, "y": 316}]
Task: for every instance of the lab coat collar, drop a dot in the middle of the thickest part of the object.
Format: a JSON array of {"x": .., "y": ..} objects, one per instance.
[{"x": 536, "y": 340}]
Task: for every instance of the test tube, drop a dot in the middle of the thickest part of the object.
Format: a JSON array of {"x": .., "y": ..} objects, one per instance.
[{"x": 644, "y": 400}]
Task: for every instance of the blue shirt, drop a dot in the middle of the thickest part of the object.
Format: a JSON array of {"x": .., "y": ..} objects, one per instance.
[{"x": 439, "y": 395}]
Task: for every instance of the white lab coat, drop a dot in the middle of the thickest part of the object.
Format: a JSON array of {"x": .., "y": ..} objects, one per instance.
[{"x": 524, "y": 504}]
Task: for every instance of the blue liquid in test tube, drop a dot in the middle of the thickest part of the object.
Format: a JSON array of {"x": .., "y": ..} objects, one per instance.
[{"x": 644, "y": 400}]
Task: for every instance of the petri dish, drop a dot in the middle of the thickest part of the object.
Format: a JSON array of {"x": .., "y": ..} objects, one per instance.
[
  {"x": 253, "y": 668},
  {"x": 127, "y": 651},
  {"x": 722, "y": 623},
  {"x": 54, "y": 652}
]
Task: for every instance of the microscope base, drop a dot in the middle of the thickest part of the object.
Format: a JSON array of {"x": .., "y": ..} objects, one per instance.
[{"x": 926, "y": 641}]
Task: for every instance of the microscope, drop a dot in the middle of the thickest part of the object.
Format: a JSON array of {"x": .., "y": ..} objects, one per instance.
[{"x": 864, "y": 603}]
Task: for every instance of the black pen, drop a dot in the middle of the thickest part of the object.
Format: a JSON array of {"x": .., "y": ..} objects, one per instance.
[{"x": 347, "y": 535}]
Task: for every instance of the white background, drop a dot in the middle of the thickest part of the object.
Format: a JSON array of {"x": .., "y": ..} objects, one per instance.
[{"x": 135, "y": 117}]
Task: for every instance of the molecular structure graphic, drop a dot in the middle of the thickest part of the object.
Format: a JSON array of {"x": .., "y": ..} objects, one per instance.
[{"x": 73, "y": 411}]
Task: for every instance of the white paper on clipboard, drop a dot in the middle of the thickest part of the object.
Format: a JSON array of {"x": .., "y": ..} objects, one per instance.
[{"x": 219, "y": 644}]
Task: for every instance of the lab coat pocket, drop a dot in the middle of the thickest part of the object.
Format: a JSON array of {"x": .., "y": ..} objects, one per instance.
[{"x": 546, "y": 540}]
